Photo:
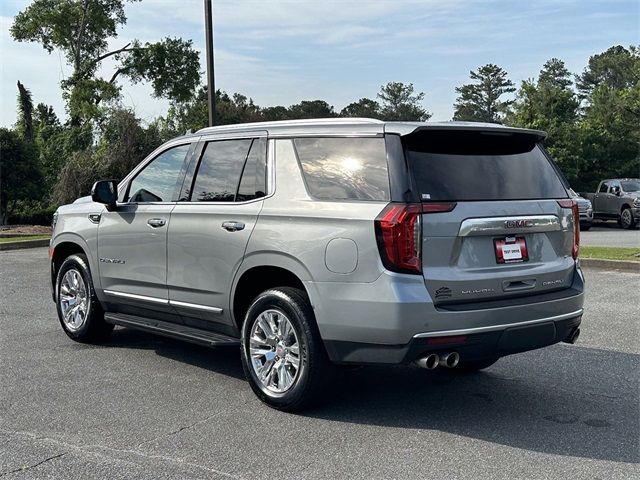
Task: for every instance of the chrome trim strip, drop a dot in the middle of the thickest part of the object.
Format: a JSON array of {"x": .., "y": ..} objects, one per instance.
[
  {"x": 496, "y": 225},
  {"x": 173, "y": 303},
  {"x": 195, "y": 306},
  {"x": 133, "y": 296},
  {"x": 493, "y": 328}
]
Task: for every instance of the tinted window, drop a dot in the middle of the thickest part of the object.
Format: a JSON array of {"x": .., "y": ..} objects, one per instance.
[
  {"x": 477, "y": 166},
  {"x": 604, "y": 187},
  {"x": 157, "y": 182},
  {"x": 631, "y": 186},
  {"x": 219, "y": 171},
  {"x": 344, "y": 168},
  {"x": 253, "y": 182}
]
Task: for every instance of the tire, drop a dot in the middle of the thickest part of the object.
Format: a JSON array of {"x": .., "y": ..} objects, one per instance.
[
  {"x": 283, "y": 386},
  {"x": 626, "y": 219},
  {"x": 74, "y": 287},
  {"x": 473, "y": 366},
  {"x": 585, "y": 228}
]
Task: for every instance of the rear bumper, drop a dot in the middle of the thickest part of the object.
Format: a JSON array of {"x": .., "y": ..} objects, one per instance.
[
  {"x": 470, "y": 344},
  {"x": 399, "y": 323}
]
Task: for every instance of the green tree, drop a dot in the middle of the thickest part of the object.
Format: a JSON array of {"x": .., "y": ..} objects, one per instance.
[
  {"x": 124, "y": 142},
  {"x": 19, "y": 174},
  {"x": 610, "y": 126},
  {"x": 616, "y": 68},
  {"x": 81, "y": 30},
  {"x": 480, "y": 101},
  {"x": 400, "y": 102},
  {"x": 270, "y": 114},
  {"x": 363, "y": 108},
  {"x": 551, "y": 105},
  {"x": 311, "y": 109},
  {"x": 193, "y": 114}
]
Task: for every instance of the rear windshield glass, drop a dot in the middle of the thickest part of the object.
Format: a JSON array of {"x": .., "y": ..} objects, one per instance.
[
  {"x": 344, "y": 168},
  {"x": 467, "y": 166}
]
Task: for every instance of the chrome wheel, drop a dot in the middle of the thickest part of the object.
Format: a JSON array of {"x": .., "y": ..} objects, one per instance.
[
  {"x": 73, "y": 300},
  {"x": 274, "y": 351}
]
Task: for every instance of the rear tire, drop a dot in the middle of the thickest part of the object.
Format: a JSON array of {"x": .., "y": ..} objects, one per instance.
[
  {"x": 626, "y": 219},
  {"x": 283, "y": 357},
  {"x": 79, "y": 310},
  {"x": 473, "y": 366}
]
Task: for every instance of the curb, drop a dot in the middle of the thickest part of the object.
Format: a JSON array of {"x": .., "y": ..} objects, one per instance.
[
  {"x": 610, "y": 264},
  {"x": 43, "y": 242}
]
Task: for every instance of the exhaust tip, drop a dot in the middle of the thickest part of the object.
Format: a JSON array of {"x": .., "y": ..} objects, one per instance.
[
  {"x": 450, "y": 360},
  {"x": 573, "y": 336},
  {"x": 429, "y": 362}
]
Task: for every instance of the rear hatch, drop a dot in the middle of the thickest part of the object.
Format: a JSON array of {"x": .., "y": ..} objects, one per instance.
[{"x": 507, "y": 228}]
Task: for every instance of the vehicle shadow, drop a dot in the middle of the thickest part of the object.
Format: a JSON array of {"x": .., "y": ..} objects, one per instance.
[
  {"x": 563, "y": 400},
  {"x": 223, "y": 360}
]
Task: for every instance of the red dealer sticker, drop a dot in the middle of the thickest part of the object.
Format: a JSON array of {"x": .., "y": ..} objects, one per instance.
[{"x": 511, "y": 250}]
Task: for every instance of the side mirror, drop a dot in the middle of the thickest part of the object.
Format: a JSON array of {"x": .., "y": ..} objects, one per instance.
[
  {"x": 105, "y": 191},
  {"x": 615, "y": 190}
]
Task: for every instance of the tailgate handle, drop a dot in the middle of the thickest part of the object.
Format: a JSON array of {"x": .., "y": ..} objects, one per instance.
[{"x": 509, "y": 286}]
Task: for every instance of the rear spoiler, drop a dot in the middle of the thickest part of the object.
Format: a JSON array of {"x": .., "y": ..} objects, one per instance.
[{"x": 407, "y": 128}]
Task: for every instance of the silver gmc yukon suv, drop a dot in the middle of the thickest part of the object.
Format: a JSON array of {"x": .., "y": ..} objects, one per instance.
[{"x": 320, "y": 242}]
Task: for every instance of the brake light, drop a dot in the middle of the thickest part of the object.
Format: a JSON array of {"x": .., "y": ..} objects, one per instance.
[
  {"x": 399, "y": 234},
  {"x": 573, "y": 205}
]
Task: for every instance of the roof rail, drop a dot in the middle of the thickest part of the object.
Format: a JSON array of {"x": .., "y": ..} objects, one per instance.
[{"x": 286, "y": 123}]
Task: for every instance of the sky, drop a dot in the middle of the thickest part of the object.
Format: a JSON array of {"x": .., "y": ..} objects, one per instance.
[{"x": 280, "y": 52}]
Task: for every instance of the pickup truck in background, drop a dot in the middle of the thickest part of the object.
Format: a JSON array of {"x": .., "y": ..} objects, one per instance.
[
  {"x": 617, "y": 199},
  {"x": 585, "y": 209}
]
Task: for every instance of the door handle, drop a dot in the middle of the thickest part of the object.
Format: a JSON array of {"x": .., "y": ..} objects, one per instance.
[
  {"x": 156, "y": 222},
  {"x": 232, "y": 226}
]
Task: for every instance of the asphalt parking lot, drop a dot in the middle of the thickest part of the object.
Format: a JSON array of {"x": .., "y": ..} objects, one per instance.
[
  {"x": 146, "y": 407},
  {"x": 608, "y": 234}
]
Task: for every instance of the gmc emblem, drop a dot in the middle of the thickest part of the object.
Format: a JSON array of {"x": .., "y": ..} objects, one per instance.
[{"x": 518, "y": 223}]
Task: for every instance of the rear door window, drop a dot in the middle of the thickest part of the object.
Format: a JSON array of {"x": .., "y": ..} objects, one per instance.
[
  {"x": 344, "y": 168},
  {"x": 254, "y": 176},
  {"x": 219, "y": 172},
  {"x": 604, "y": 187},
  {"x": 478, "y": 166}
]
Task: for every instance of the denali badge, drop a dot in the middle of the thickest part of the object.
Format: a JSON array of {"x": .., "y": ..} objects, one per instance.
[
  {"x": 518, "y": 223},
  {"x": 478, "y": 290},
  {"x": 552, "y": 282}
]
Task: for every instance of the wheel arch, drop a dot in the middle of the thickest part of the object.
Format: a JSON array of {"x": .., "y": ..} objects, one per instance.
[
  {"x": 624, "y": 207},
  {"x": 261, "y": 272},
  {"x": 67, "y": 244}
]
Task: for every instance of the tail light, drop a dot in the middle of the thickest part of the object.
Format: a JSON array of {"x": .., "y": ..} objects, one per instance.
[
  {"x": 399, "y": 234},
  {"x": 573, "y": 205}
]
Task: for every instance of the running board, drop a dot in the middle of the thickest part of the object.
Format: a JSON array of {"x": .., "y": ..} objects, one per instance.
[{"x": 173, "y": 330}]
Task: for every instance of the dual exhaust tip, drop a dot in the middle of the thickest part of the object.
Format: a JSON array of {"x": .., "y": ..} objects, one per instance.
[{"x": 433, "y": 360}]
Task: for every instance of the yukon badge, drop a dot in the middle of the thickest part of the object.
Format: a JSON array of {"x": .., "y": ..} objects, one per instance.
[{"x": 518, "y": 223}]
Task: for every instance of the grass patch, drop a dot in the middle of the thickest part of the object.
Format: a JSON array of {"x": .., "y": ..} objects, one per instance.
[
  {"x": 611, "y": 253},
  {"x": 23, "y": 238}
]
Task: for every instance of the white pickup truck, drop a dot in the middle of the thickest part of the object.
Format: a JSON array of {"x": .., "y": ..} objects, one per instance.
[{"x": 617, "y": 199}]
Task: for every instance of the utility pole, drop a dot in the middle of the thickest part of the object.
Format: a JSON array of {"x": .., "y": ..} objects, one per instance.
[{"x": 211, "y": 83}]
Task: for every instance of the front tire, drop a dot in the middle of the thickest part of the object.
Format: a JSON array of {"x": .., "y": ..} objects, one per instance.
[
  {"x": 79, "y": 310},
  {"x": 626, "y": 219},
  {"x": 282, "y": 354}
]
